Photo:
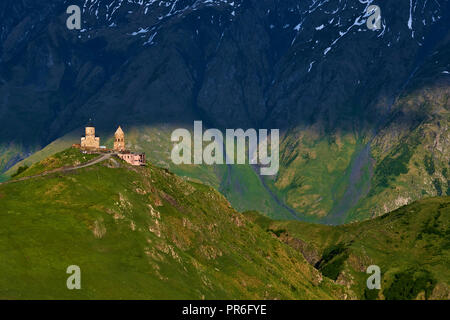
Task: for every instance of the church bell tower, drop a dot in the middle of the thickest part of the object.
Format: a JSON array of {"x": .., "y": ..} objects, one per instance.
[{"x": 119, "y": 140}]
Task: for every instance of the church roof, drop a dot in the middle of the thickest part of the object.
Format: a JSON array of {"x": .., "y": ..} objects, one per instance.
[{"x": 119, "y": 130}]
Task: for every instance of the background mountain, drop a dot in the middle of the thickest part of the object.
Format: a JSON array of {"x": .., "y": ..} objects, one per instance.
[{"x": 364, "y": 114}]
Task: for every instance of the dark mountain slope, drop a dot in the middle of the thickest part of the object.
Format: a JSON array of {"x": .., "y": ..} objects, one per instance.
[{"x": 240, "y": 63}]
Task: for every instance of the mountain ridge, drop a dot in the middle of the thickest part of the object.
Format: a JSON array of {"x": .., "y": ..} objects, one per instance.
[{"x": 410, "y": 245}]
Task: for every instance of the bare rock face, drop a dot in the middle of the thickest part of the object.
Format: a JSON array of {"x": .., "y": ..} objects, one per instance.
[{"x": 310, "y": 253}]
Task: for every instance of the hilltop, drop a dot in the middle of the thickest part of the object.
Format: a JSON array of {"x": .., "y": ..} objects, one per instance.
[{"x": 140, "y": 233}]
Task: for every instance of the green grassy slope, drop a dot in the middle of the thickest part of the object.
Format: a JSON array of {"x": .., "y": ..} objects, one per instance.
[
  {"x": 411, "y": 246},
  {"x": 412, "y": 154},
  {"x": 141, "y": 233},
  {"x": 239, "y": 183},
  {"x": 67, "y": 158},
  {"x": 314, "y": 171}
]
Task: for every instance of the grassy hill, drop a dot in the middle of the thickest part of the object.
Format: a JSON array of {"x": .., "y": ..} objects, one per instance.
[
  {"x": 239, "y": 183},
  {"x": 67, "y": 158},
  {"x": 144, "y": 233},
  {"x": 411, "y": 246},
  {"x": 140, "y": 233}
]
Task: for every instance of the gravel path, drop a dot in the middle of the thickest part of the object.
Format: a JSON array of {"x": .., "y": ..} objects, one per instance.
[{"x": 64, "y": 169}]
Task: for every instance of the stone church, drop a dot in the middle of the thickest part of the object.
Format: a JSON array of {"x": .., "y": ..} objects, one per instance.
[
  {"x": 91, "y": 143},
  {"x": 119, "y": 140}
]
